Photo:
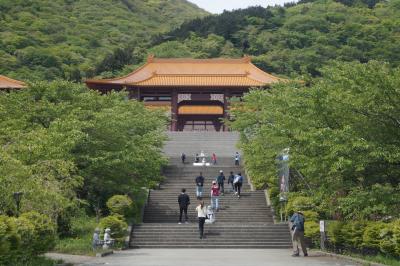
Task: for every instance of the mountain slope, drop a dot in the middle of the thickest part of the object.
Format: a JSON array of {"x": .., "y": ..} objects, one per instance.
[
  {"x": 295, "y": 39},
  {"x": 47, "y": 39}
]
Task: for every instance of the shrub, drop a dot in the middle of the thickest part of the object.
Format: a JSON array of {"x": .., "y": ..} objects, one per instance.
[
  {"x": 311, "y": 230},
  {"x": 298, "y": 202},
  {"x": 26, "y": 231},
  {"x": 311, "y": 216},
  {"x": 335, "y": 234},
  {"x": 117, "y": 225},
  {"x": 120, "y": 204},
  {"x": 387, "y": 244},
  {"x": 352, "y": 233},
  {"x": 44, "y": 232},
  {"x": 372, "y": 235},
  {"x": 9, "y": 239}
]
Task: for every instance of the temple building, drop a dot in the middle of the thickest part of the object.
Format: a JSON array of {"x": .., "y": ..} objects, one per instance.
[
  {"x": 7, "y": 84},
  {"x": 196, "y": 92}
]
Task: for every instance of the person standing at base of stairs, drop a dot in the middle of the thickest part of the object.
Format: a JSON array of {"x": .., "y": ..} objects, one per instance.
[
  {"x": 298, "y": 234},
  {"x": 201, "y": 214},
  {"x": 220, "y": 181},
  {"x": 231, "y": 177},
  {"x": 184, "y": 202},
  {"x": 199, "y": 186},
  {"x": 214, "y": 195},
  {"x": 238, "y": 183}
]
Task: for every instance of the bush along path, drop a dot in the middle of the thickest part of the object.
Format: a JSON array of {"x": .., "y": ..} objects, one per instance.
[{"x": 240, "y": 223}]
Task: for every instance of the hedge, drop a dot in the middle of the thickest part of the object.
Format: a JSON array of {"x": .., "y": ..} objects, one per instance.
[
  {"x": 25, "y": 237},
  {"x": 366, "y": 237}
]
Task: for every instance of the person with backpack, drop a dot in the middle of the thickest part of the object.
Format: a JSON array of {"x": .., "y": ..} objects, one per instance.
[
  {"x": 184, "y": 202},
  {"x": 297, "y": 221},
  {"x": 214, "y": 195},
  {"x": 231, "y": 177},
  {"x": 220, "y": 181},
  {"x": 201, "y": 214},
  {"x": 199, "y": 185},
  {"x": 237, "y": 158},
  {"x": 238, "y": 182}
]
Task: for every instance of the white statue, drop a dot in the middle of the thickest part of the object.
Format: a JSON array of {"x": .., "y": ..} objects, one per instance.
[
  {"x": 210, "y": 215},
  {"x": 96, "y": 238},
  {"x": 107, "y": 238}
]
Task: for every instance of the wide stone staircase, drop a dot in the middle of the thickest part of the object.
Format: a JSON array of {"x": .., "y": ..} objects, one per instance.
[{"x": 240, "y": 223}]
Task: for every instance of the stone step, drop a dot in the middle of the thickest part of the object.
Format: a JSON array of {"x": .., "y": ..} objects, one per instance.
[{"x": 212, "y": 246}]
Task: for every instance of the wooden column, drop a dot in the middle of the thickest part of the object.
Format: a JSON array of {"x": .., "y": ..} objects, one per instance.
[
  {"x": 174, "y": 110},
  {"x": 226, "y": 107}
]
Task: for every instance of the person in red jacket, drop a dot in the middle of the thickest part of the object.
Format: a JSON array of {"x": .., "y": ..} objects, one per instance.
[
  {"x": 214, "y": 159},
  {"x": 214, "y": 195}
]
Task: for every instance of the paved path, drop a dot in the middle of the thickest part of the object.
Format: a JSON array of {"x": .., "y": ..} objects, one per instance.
[{"x": 215, "y": 257}]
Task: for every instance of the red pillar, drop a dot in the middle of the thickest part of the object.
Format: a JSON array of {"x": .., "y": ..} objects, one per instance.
[
  {"x": 226, "y": 107},
  {"x": 174, "y": 110}
]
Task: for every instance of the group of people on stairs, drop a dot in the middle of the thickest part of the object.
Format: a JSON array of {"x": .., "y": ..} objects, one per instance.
[{"x": 217, "y": 188}]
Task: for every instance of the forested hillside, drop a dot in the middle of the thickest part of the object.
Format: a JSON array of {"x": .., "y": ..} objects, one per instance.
[
  {"x": 48, "y": 39},
  {"x": 295, "y": 39}
]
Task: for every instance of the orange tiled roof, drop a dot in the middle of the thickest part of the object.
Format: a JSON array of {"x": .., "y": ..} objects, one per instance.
[
  {"x": 194, "y": 72},
  {"x": 8, "y": 83}
]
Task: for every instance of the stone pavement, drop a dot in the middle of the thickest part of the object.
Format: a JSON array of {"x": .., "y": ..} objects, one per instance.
[{"x": 213, "y": 257}]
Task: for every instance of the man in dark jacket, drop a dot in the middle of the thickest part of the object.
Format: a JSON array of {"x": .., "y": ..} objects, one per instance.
[
  {"x": 220, "y": 181},
  {"x": 199, "y": 185},
  {"x": 184, "y": 201},
  {"x": 297, "y": 221},
  {"x": 231, "y": 177}
]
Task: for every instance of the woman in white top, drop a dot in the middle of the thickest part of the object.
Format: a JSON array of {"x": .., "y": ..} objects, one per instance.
[{"x": 202, "y": 214}]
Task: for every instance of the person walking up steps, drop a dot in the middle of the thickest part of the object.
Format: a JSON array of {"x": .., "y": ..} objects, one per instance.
[
  {"x": 238, "y": 183},
  {"x": 298, "y": 234},
  {"x": 183, "y": 157},
  {"x": 237, "y": 158},
  {"x": 184, "y": 202},
  {"x": 231, "y": 177},
  {"x": 214, "y": 159},
  {"x": 220, "y": 181},
  {"x": 214, "y": 195},
  {"x": 201, "y": 214},
  {"x": 199, "y": 186}
]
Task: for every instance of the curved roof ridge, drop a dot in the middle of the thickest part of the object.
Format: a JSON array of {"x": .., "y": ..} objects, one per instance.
[
  {"x": 122, "y": 77},
  {"x": 18, "y": 83},
  {"x": 242, "y": 60},
  {"x": 201, "y": 75}
]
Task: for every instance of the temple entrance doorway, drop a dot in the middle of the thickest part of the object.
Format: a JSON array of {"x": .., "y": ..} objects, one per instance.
[
  {"x": 199, "y": 123},
  {"x": 200, "y": 116}
]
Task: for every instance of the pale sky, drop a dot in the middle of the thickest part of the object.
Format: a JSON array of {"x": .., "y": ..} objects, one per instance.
[{"x": 217, "y": 6}]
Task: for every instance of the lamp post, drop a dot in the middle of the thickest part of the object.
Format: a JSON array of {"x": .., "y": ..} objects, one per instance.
[{"x": 17, "y": 198}]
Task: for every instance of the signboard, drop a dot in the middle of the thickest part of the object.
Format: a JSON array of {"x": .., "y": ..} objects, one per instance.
[
  {"x": 283, "y": 172},
  {"x": 322, "y": 226}
]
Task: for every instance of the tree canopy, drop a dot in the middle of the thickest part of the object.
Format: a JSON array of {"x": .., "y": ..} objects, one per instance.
[
  {"x": 343, "y": 133},
  {"x": 62, "y": 145},
  {"x": 46, "y": 39}
]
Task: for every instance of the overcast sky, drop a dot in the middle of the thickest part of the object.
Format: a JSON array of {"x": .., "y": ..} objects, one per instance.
[{"x": 217, "y": 6}]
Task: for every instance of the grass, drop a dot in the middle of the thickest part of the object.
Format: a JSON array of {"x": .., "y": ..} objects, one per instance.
[
  {"x": 386, "y": 260},
  {"x": 81, "y": 244},
  {"x": 38, "y": 261}
]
